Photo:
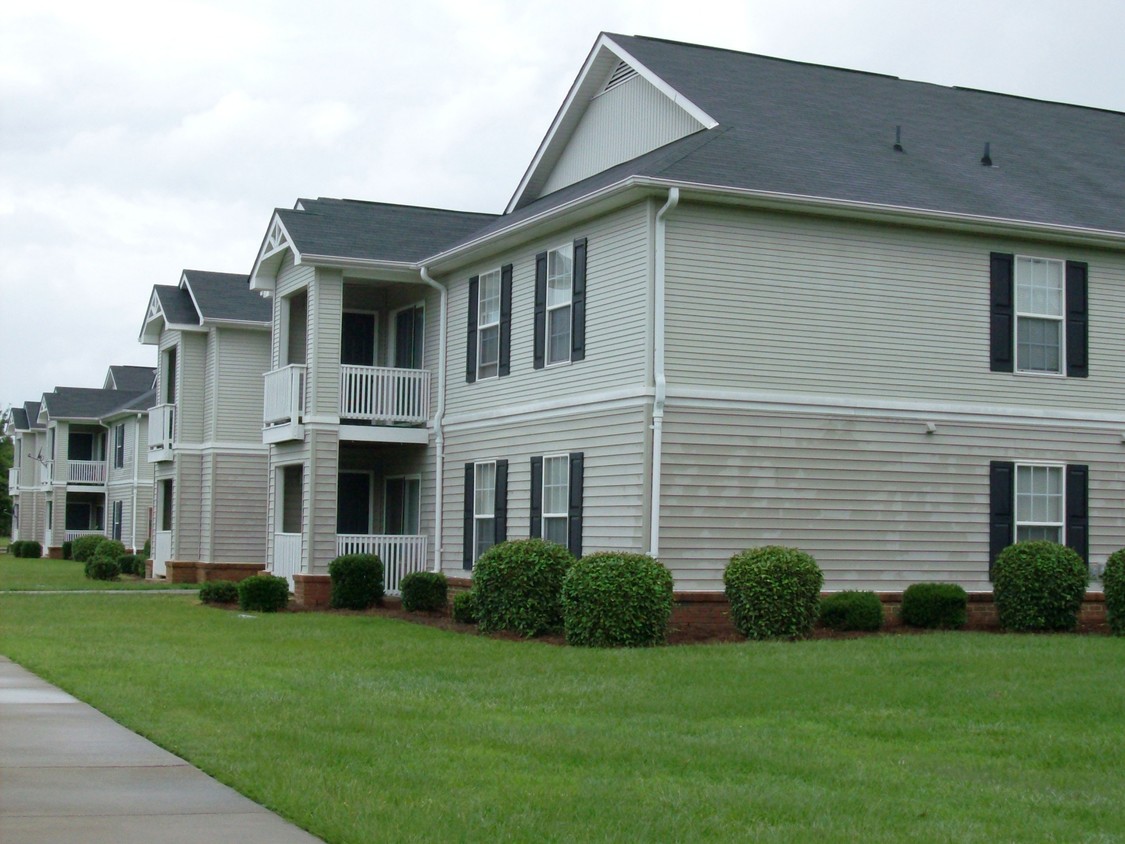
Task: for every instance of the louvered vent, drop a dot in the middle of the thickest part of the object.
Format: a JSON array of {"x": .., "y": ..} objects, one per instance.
[{"x": 621, "y": 74}]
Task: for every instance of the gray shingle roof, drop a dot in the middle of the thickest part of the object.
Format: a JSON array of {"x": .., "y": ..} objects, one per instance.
[
  {"x": 132, "y": 378},
  {"x": 19, "y": 419},
  {"x": 176, "y": 304},
  {"x": 31, "y": 408},
  {"x": 227, "y": 296},
  {"x": 86, "y": 402},
  {"x": 140, "y": 402},
  {"x": 375, "y": 230}
]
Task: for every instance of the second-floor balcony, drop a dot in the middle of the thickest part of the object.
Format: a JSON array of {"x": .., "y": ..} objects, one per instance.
[
  {"x": 45, "y": 472},
  {"x": 86, "y": 472},
  {"x": 13, "y": 480},
  {"x": 161, "y": 432}
]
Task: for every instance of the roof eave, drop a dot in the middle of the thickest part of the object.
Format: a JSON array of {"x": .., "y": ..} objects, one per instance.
[{"x": 275, "y": 243}]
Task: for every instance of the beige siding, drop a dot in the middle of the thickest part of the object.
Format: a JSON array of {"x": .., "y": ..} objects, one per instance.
[
  {"x": 880, "y": 503},
  {"x": 290, "y": 279},
  {"x": 187, "y": 515},
  {"x": 759, "y": 301},
  {"x": 325, "y": 315},
  {"x": 321, "y": 475},
  {"x": 210, "y": 386},
  {"x": 243, "y": 358},
  {"x": 239, "y": 508},
  {"x": 280, "y": 455}
]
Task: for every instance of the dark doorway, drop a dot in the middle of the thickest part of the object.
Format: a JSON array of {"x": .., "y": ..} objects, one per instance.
[
  {"x": 353, "y": 503},
  {"x": 357, "y": 346}
]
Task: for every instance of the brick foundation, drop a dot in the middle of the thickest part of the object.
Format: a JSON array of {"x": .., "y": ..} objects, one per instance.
[
  {"x": 183, "y": 571},
  {"x": 312, "y": 591},
  {"x": 54, "y": 552},
  {"x": 148, "y": 569}
]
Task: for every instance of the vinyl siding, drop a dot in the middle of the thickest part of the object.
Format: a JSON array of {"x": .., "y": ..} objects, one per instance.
[
  {"x": 242, "y": 360},
  {"x": 187, "y": 515},
  {"x": 284, "y": 454},
  {"x": 321, "y": 476},
  {"x": 210, "y": 386},
  {"x": 325, "y": 315},
  {"x": 878, "y": 502},
  {"x": 290, "y": 279},
  {"x": 239, "y": 508},
  {"x": 798, "y": 304}
]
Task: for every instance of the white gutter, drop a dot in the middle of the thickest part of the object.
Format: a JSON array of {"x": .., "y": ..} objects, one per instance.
[
  {"x": 439, "y": 415},
  {"x": 136, "y": 468},
  {"x": 658, "y": 371}
]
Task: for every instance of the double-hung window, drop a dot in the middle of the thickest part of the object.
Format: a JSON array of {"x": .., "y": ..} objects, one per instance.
[
  {"x": 488, "y": 327},
  {"x": 119, "y": 446},
  {"x": 486, "y": 507},
  {"x": 560, "y": 269},
  {"x": 556, "y": 499},
  {"x": 1039, "y": 503},
  {"x": 118, "y": 519},
  {"x": 1039, "y": 315},
  {"x": 560, "y": 304}
]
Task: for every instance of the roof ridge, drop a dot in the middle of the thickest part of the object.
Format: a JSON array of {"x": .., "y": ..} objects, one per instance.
[{"x": 371, "y": 202}]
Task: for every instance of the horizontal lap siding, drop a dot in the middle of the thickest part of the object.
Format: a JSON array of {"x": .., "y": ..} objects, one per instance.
[
  {"x": 879, "y": 503},
  {"x": 326, "y": 298},
  {"x": 284, "y": 454},
  {"x": 187, "y": 514},
  {"x": 290, "y": 279},
  {"x": 240, "y": 499},
  {"x": 192, "y": 365},
  {"x": 321, "y": 478},
  {"x": 807, "y": 305},
  {"x": 244, "y": 359}
]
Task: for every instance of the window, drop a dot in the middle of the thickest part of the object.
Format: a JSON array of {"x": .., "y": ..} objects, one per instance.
[
  {"x": 402, "y": 506},
  {"x": 1039, "y": 503},
  {"x": 556, "y": 499},
  {"x": 560, "y": 304},
  {"x": 168, "y": 376},
  {"x": 292, "y": 497},
  {"x": 16, "y": 516},
  {"x": 486, "y": 507},
  {"x": 1039, "y": 315},
  {"x": 119, "y": 446},
  {"x": 488, "y": 328},
  {"x": 166, "y": 503},
  {"x": 490, "y": 325},
  {"x": 118, "y": 518}
]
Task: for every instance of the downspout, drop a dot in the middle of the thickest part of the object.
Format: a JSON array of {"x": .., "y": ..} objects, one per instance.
[
  {"x": 136, "y": 467},
  {"x": 439, "y": 415},
  {"x": 658, "y": 372}
]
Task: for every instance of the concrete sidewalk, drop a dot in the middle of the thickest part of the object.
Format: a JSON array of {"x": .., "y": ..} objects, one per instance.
[{"x": 70, "y": 774}]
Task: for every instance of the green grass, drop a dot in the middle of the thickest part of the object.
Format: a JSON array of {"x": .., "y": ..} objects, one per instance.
[
  {"x": 361, "y": 729},
  {"x": 19, "y": 574}
]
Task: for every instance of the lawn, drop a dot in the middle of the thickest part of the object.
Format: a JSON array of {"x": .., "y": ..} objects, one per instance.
[
  {"x": 19, "y": 574},
  {"x": 361, "y": 728}
]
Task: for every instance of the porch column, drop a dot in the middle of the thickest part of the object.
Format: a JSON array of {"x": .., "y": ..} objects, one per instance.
[{"x": 320, "y": 497}]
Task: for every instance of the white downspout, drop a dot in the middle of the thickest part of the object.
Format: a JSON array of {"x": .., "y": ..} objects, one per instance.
[
  {"x": 658, "y": 372},
  {"x": 439, "y": 415},
  {"x": 136, "y": 468}
]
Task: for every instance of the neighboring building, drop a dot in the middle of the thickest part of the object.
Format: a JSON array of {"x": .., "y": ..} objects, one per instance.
[
  {"x": 205, "y": 441},
  {"x": 27, "y": 477}
]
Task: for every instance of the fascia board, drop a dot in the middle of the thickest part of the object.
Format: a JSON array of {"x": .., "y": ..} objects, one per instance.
[{"x": 239, "y": 323}]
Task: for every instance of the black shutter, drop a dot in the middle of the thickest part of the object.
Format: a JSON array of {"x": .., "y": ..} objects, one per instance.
[
  {"x": 1003, "y": 311},
  {"x": 471, "y": 350},
  {"x": 535, "y": 530},
  {"x": 505, "y": 322},
  {"x": 578, "y": 302},
  {"x": 1076, "y": 320},
  {"x": 1001, "y": 522},
  {"x": 1077, "y": 510},
  {"x": 501, "y": 501},
  {"x": 540, "y": 308},
  {"x": 470, "y": 484},
  {"x": 574, "y": 523}
]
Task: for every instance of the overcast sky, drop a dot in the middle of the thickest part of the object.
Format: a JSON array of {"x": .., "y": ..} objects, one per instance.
[{"x": 141, "y": 138}]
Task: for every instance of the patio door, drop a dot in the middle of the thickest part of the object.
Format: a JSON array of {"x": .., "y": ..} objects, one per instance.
[
  {"x": 409, "y": 337},
  {"x": 402, "y": 506},
  {"x": 357, "y": 345},
  {"x": 353, "y": 503}
]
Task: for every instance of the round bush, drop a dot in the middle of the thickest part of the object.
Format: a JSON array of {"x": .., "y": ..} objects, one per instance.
[
  {"x": 424, "y": 591},
  {"x": 104, "y": 564},
  {"x": 357, "y": 581},
  {"x": 1039, "y": 585},
  {"x": 16, "y": 548},
  {"x": 850, "y": 610},
  {"x": 774, "y": 592},
  {"x": 29, "y": 549},
  {"x": 218, "y": 592},
  {"x": 263, "y": 593},
  {"x": 935, "y": 605},
  {"x": 465, "y": 608},
  {"x": 132, "y": 564},
  {"x": 518, "y": 586},
  {"x": 67, "y": 549},
  {"x": 614, "y": 599},
  {"x": 1113, "y": 583},
  {"x": 85, "y": 546}
]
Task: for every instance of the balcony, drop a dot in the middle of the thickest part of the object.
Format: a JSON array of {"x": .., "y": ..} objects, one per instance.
[
  {"x": 283, "y": 404},
  {"x": 388, "y": 400},
  {"x": 13, "y": 481},
  {"x": 45, "y": 469},
  {"x": 161, "y": 432},
  {"x": 86, "y": 472},
  {"x": 286, "y": 556},
  {"x": 401, "y": 555}
]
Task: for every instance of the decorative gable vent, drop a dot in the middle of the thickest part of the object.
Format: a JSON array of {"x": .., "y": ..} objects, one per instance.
[{"x": 621, "y": 74}]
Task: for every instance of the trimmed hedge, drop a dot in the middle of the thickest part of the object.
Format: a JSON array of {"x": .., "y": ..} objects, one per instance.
[
  {"x": 27, "y": 549},
  {"x": 131, "y": 564},
  {"x": 1113, "y": 583},
  {"x": 943, "y": 606},
  {"x": 613, "y": 599},
  {"x": 263, "y": 593},
  {"x": 218, "y": 592},
  {"x": 851, "y": 610},
  {"x": 424, "y": 591},
  {"x": 1039, "y": 585},
  {"x": 518, "y": 586},
  {"x": 83, "y": 547},
  {"x": 104, "y": 563},
  {"x": 774, "y": 592},
  {"x": 465, "y": 608},
  {"x": 357, "y": 581}
]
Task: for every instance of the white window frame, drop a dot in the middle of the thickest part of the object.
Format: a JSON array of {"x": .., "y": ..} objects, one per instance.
[
  {"x": 1059, "y": 319},
  {"x": 119, "y": 429},
  {"x": 1029, "y": 523},
  {"x": 568, "y": 248},
  {"x": 117, "y": 520},
  {"x": 491, "y": 325},
  {"x": 490, "y": 501},
  {"x": 564, "y": 516}
]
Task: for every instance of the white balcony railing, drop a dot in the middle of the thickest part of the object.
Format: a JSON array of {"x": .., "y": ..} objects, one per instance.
[
  {"x": 13, "y": 480},
  {"x": 401, "y": 555},
  {"x": 71, "y": 535},
  {"x": 45, "y": 472},
  {"x": 161, "y": 552},
  {"x": 161, "y": 432},
  {"x": 286, "y": 556},
  {"x": 384, "y": 394},
  {"x": 85, "y": 472},
  {"x": 284, "y": 400}
]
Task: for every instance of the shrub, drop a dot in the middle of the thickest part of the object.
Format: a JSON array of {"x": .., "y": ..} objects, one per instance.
[
  {"x": 66, "y": 549},
  {"x": 131, "y": 564},
  {"x": 263, "y": 593},
  {"x": 1039, "y": 585},
  {"x": 774, "y": 592},
  {"x": 614, "y": 599},
  {"x": 103, "y": 564},
  {"x": 424, "y": 591},
  {"x": 935, "y": 605},
  {"x": 850, "y": 610},
  {"x": 16, "y": 548},
  {"x": 84, "y": 547},
  {"x": 465, "y": 608},
  {"x": 1113, "y": 583},
  {"x": 357, "y": 581},
  {"x": 146, "y": 552},
  {"x": 518, "y": 586},
  {"x": 26, "y": 548},
  {"x": 218, "y": 592}
]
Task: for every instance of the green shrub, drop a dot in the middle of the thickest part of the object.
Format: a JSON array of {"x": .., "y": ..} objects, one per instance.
[
  {"x": 67, "y": 549},
  {"x": 218, "y": 592},
  {"x": 26, "y": 548},
  {"x": 16, "y": 548},
  {"x": 465, "y": 608},
  {"x": 518, "y": 586},
  {"x": 1113, "y": 583},
  {"x": 424, "y": 591},
  {"x": 1039, "y": 585},
  {"x": 146, "y": 552},
  {"x": 850, "y": 610},
  {"x": 132, "y": 564},
  {"x": 263, "y": 593},
  {"x": 613, "y": 599},
  {"x": 935, "y": 605},
  {"x": 357, "y": 581},
  {"x": 774, "y": 592},
  {"x": 84, "y": 547},
  {"x": 103, "y": 564}
]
